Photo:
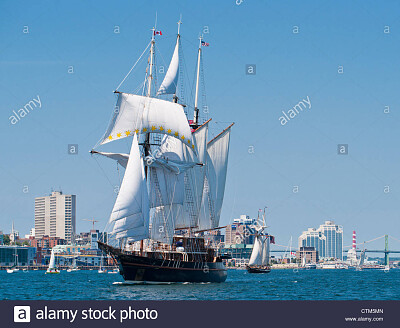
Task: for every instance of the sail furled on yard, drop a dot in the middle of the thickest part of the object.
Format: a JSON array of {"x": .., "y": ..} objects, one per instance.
[
  {"x": 139, "y": 114},
  {"x": 130, "y": 215},
  {"x": 215, "y": 179},
  {"x": 169, "y": 84}
]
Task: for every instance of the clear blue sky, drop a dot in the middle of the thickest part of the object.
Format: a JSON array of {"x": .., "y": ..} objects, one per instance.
[{"x": 346, "y": 108}]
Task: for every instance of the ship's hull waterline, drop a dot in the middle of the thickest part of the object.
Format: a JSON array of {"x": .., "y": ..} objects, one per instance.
[
  {"x": 142, "y": 268},
  {"x": 251, "y": 269}
]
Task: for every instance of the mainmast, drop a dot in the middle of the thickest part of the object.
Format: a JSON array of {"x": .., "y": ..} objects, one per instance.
[
  {"x": 146, "y": 145},
  {"x": 149, "y": 83},
  {"x": 196, "y": 109},
  {"x": 150, "y": 77},
  {"x": 175, "y": 98}
]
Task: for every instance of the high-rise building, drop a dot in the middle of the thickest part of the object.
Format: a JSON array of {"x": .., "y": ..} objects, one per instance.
[
  {"x": 55, "y": 216},
  {"x": 313, "y": 238},
  {"x": 327, "y": 240},
  {"x": 240, "y": 231},
  {"x": 309, "y": 253}
]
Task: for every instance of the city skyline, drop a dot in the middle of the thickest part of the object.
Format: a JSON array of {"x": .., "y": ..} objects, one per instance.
[
  {"x": 228, "y": 239},
  {"x": 347, "y": 71}
]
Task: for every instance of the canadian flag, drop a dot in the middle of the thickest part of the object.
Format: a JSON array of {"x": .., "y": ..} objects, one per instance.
[{"x": 157, "y": 33}]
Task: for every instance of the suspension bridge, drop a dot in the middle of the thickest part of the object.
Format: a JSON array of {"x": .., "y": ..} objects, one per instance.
[{"x": 287, "y": 249}]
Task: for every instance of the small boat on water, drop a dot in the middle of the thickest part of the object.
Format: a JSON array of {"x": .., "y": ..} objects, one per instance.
[
  {"x": 101, "y": 268},
  {"x": 52, "y": 265},
  {"x": 259, "y": 259},
  {"x": 74, "y": 267},
  {"x": 116, "y": 270},
  {"x": 14, "y": 267},
  {"x": 310, "y": 266}
]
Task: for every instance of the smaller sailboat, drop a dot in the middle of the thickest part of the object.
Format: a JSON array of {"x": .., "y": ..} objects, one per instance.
[
  {"x": 74, "y": 267},
  {"x": 361, "y": 262},
  {"x": 52, "y": 265},
  {"x": 259, "y": 259},
  {"x": 14, "y": 267},
  {"x": 101, "y": 269},
  {"x": 304, "y": 260}
]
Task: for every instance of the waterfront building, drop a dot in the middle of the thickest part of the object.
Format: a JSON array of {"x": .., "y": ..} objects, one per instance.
[
  {"x": 1, "y": 238},
  {"x": 313, "y": 238},
  {"x": 310, "y": 253},
  {"x": 55, "y": 216},
  {"x": 240, "y": 231},
  {"x": 237, "y": 251},
  {"x": 46, "y": 242},
  {"x": 327, "y": 240},
  {"x": 91, "y": 237},
  {"x": 214, "y": 238},
  {"x": 70, "y": 249},
  {"x": 25, "y": 255}
]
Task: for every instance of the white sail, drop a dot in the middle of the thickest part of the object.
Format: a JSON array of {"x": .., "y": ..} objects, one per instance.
[
  {"x": 139, "y": 114},
  {"x": 52, "y": 263},
  {"x": 256, "y": 254},
  {"x": 121, "y": 158},
  {"x": 197, "y": 177},
  {"x": 163, "y": 222},
  {"x": 166, "y": 187},
  {"x": 130, "y": 214},
  {"x": 214, "y": 186},
  {"x": 265, "y": 253},
  {"x": 169, "y": 84}
]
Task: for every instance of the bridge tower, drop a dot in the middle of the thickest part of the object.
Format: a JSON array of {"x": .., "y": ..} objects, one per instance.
[{"x": 386, "y": 250}]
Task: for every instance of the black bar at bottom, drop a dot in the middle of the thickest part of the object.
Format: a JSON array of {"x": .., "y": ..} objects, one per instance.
[{"x": 204, "y": 314}]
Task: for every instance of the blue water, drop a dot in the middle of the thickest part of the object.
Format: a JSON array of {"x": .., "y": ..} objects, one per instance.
[{"x": 240, "y": 285}]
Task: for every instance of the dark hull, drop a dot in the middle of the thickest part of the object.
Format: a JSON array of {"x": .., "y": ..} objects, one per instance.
[
  {"x": 141, "y": 268},
  {"x": 258, "y": 269}
]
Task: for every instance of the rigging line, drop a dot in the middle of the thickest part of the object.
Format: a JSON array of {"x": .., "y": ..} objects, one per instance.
[
  {"x": 394, "y": 238},
  {"x": 103, "y": 172},
  {"x": 133, "y": 66}
]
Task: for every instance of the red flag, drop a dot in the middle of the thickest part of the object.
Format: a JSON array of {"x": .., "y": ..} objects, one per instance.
[
  {"x": 157, "y": 33},
  {"x": 272, "y": 239}
]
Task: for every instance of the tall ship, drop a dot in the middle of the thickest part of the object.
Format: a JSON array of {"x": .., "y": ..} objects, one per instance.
[
  {"x": 174, "y": 179},
  {"x": 260, "y": 256}
]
